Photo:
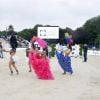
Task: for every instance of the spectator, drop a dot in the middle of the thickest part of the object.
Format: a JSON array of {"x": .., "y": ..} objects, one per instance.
[
  {"x": 85, "y": 49},
  {"x": 1, "y": 50}
]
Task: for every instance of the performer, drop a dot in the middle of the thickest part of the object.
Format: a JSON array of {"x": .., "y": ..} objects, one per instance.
[
  {"x": 13, "y": 42},
  {"x": 27, "y": 55},
  {"x": 40, "y": 64},
  {"x": 12, "y": 62},
  {"x": 29, "y": 64},
  {"x": 65, "y": 60}
]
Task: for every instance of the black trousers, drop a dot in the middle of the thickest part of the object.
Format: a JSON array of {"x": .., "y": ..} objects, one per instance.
[{"x": 85, "y": 56}]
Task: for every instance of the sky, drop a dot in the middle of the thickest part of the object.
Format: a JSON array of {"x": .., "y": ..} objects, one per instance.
[{"x": 64, "y": 13}]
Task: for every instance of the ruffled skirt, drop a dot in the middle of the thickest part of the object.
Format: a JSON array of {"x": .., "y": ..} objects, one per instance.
[{"x": 41, "y": 67}]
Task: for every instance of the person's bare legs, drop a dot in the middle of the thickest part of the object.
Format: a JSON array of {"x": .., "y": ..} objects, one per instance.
[
  {"x": 13, "y": 63},
  {"x": 29, "y": 66},
  {"x": 10, "y": 67}
]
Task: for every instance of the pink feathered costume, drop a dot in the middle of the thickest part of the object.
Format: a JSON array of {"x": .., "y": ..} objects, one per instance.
[{"x": 41, "y": 66}]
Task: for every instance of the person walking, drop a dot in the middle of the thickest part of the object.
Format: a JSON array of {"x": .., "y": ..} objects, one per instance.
[{"x": 85, "y": 50}]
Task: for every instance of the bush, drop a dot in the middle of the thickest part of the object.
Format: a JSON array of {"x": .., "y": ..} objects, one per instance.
[{"x": 53, "y": 49}]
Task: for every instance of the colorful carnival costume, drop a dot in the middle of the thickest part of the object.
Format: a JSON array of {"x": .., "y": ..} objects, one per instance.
[
  {"x": 40, "y": 65},
  {"x": 64, "y": 61}
]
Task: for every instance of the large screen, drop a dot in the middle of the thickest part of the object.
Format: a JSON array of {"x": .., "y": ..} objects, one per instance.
[{"x": 48, "y": 32}]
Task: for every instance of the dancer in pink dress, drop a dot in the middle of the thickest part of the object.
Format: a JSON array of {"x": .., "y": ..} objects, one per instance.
[{"x": 40, "y": 64}]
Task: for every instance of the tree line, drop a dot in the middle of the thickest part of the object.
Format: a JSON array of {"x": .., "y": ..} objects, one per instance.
[{"x": 88, "y": 33}]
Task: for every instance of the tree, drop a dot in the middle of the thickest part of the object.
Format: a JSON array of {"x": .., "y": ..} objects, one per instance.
[
  {"x": 62, "y": 36},
  {"x": 29, "y": 33},
  {"x": 2, "y": 33},
  {"x": 35, "y": 28},
  {"x": 81, "y": 36},
  {"x": 10, "y": 28},
  {"x": 11, "y": 31},
  {"x": 26, "y": 34},
  {"x": 92, "y": 26},
  {"x": 69, "y": 30}
]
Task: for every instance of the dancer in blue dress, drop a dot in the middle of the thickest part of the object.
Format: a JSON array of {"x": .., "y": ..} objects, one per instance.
[{"x": 64, "y": 60}]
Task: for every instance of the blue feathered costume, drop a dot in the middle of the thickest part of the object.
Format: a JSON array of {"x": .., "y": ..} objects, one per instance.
[{"x": 65, "y": 62}]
